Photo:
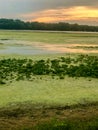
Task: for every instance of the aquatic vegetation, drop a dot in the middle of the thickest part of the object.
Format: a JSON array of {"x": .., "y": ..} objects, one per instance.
[{"x": 21, "y": 69}]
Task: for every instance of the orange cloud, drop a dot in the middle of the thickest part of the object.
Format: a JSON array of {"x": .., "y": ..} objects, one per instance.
[{"x": 79, "y": 13}]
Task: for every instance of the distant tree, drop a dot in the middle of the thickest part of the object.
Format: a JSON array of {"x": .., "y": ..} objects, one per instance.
[{"x": 61, "y": 26}]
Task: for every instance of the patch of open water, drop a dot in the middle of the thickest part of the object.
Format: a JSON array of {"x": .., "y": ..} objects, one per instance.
[
  {"x": 29, "y": 48},
  {"x": 23, "y": 47}
]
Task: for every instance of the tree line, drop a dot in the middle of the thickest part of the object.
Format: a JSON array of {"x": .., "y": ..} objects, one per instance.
[{"x": 61, "y": 26}]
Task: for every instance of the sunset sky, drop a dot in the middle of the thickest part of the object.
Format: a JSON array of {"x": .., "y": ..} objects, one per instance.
[{"x": 72, "y": 11}]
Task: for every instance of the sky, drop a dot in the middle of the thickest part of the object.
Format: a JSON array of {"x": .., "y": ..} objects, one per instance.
[{"x": 72, "y": 11}]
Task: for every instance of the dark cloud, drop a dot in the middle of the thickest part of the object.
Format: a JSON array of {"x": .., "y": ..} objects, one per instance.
[
  {"x": 16, "y": 6},
  {"x": 42, "y": 4},
  {"x": 37, "y": 5}
]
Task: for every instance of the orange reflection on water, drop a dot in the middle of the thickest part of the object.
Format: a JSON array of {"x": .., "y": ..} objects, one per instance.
[{"x": 69, "y": 48}]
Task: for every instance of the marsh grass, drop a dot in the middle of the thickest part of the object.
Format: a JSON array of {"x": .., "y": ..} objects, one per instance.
[
  {"x": 49, "y": 37},
  {"x": 26, "y": 117},
  {"x": 50, "y": 92},
  {"x": 87, "y": 47},
  {"x": 19, "y": 98},
  {"x": 34, "y": 38},
  {"x": 68, "y": 125}
]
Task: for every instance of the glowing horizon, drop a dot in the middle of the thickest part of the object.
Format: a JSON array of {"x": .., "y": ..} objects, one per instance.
[
  {"x": 77, "y": 11},
  {"x": 80, "y": 13}
]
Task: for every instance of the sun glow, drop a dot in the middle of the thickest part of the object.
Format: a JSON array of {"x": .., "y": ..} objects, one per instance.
[{"x": 80, "y": 13}]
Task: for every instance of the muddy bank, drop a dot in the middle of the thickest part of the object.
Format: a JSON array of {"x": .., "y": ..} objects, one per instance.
[{"x": 27, "y": 117}]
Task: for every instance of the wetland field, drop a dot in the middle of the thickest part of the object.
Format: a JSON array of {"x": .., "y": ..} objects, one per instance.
[{"x": 48, "y": 80}]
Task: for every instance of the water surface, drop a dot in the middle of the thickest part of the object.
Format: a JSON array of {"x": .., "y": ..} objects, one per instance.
[{"x": 32, "y": 48}]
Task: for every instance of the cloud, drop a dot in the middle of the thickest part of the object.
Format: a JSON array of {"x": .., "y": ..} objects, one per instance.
[
  {"x": 50, "y": 10},
  {"x": 72, "y": 14},
  {"x": 20, "y": 6}
]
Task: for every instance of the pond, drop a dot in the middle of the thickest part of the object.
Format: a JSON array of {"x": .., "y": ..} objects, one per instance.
[{"x": 32, "y": 48}]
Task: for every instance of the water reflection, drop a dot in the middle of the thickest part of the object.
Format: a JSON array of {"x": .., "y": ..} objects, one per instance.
[
  {"x": 22, "y": 47},
  {"x": 28, "y": 47},
  {"x": 70, "y": 48}
]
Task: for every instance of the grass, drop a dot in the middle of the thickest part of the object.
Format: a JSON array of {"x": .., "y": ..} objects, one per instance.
[
  {"x": 86, "y": 47},
  {"x": 68, "y": 125},
  {"x": 50, "y": 92},
  {"x": 35, "y": 57},
  {"x": 25, "y": 117},
  {"x": 48, "y": 37}
]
